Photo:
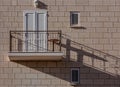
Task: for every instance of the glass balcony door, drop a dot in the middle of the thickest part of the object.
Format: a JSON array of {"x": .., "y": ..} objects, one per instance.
[{"x": 35, "y": 41}]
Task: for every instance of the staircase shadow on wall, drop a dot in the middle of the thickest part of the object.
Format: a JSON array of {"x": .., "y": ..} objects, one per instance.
[{"x": 95, "y": 71}]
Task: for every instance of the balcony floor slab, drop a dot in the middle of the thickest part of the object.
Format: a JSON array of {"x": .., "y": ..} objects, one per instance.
[{"x": 43, "y": 56}]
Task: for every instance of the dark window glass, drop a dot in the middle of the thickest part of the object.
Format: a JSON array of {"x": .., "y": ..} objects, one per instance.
[
  {"x": 74, "y": 18},
  {"x": 75, "y": 76}
]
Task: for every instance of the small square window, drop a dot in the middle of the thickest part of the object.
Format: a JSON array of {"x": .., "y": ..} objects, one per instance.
[
  {"x": 75, "y": 19},
  {"x": 74, "y": 76}
]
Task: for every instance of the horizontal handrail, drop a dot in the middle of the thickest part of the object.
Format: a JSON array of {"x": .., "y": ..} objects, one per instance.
[{"x": 35, "y": 31}]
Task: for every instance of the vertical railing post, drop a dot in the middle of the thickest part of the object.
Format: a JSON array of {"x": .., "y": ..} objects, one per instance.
[
  {"x": 10, "y": 41},
  {"x": 60, "y": 39}
]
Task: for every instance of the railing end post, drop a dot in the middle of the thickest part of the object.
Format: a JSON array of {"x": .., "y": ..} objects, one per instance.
[{"x": 10, "y": 41}]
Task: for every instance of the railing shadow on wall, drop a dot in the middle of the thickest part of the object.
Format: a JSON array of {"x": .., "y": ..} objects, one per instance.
[
  {"x": 93, "y": 58},
  {"x": 97, "y": 69}
]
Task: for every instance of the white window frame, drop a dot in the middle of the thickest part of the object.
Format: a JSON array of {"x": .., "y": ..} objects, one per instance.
[
  {"x": 78, "y": 24},
  {"x": 77, "y": 82}
]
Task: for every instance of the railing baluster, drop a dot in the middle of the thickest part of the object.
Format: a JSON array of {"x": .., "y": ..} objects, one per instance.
[
  {"x": 60, "y": 39},
  {"x": 10, "y": 41}
]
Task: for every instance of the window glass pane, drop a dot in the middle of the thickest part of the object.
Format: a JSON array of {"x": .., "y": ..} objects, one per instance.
[
  {"x": 40, "y": 21},
  {"x": 42, "y": 38},
  {"x": 30, "y": 37},
  {"x": 29, "y": 21},
  {"x": 75, "y": 75},
  {"x": 74, "y": 18}
]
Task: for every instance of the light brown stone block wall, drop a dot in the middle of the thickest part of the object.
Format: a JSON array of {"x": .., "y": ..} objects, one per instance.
[{"x": 101, "y": 21}]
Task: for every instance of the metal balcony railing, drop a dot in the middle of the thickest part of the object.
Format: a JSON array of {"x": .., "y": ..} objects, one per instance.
[{"x": 35, "y": 41}]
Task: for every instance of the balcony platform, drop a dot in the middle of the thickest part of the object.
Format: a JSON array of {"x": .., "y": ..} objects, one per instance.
[{"x": 43, "y": 56}]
